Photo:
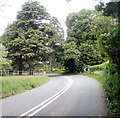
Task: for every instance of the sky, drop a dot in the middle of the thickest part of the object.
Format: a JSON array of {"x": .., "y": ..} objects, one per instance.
[{"x": 57, "y": 8}]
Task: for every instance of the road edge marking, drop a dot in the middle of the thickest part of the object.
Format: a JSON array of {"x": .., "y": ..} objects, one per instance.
[{"x": 48, "y": 101}]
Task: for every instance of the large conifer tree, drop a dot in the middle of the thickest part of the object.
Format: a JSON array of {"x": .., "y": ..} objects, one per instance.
[{"x": 29, "y": 38}]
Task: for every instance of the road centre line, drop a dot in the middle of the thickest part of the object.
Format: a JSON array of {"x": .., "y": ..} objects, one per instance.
[{"x": 44, "y": 104}]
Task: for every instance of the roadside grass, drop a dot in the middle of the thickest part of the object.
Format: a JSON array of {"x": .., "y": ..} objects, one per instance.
[{"x": 16, "y": 84}]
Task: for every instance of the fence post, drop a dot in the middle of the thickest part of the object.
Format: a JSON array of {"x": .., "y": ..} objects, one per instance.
[
  {"x": 20, "y": 72},
  {"x": 30, "y": 72}
]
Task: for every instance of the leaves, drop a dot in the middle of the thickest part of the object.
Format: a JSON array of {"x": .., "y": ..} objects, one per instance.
[
  {"x": 5, "y": 63},
  {"x": 81, "y": 46},
  {"x": 30, "y": 39}
]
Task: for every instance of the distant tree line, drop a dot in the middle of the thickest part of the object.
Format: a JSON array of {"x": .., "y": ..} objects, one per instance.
[{"x": 36, "y": 37}]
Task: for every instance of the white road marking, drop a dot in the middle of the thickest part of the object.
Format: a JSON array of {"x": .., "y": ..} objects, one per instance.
[{"x": 44, "y": 104}]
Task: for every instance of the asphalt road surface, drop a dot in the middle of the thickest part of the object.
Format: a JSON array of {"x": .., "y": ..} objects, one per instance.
[{"x": 70, "y": 95}]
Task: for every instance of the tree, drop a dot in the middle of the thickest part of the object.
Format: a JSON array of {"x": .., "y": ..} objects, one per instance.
[
  {"x": 80, "y": 25},
  {"x": 110, "y": 43},
  {"x": 91, "y": 54},
  {"x": 84, "y": 29},
  {"x": 109, "y": 9},
  {"x": 5, "y": 64},
  {"x": 70, "y": 56},
  {"x": 55, "y": 24},
  {"x": 110, "y": 40},
  {"x": 30, "y": 38},
  {"x": 83, "y": 25}
]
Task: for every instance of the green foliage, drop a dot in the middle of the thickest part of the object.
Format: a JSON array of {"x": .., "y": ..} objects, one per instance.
[
  {"x": 99, "y": 67},
  {"x": 32, "y": 37},
  {"x": 70, "y": 51},
  {"x": 84, "y": 29},
  {"x": 5, "y": 63},
  {"x": 102, "y": 24},
  {"x": 109, "y": 9},
  {"x": 87, "y": 25},
  {"x": 112, "y": 89},
  {"x": 110, "y": 43},
  {"x": 15, "y": 84},
  {"x": 91, "y": 54},
  {"x": 70, "y": 56},
  {"x": 80, "y": 25}
]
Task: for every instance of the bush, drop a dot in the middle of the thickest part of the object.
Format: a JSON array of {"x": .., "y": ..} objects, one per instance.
[
  {"x": 112, "y": 88},
  {"x": 99, "y": 67}
]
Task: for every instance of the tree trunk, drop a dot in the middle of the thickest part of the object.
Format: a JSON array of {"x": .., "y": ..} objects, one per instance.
[{"x": 31, "y": 72}]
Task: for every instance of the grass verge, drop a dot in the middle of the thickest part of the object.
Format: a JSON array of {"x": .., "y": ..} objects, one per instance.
[{"x": 16, "y": 84}]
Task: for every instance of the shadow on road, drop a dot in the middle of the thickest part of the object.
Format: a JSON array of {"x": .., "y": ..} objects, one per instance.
[{"x": 56, "y": 75}]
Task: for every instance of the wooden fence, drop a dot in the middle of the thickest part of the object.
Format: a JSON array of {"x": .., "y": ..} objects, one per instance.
[{"x": 15, "y": 72}]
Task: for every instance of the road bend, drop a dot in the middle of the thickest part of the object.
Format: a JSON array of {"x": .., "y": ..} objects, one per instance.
[{"x": 63, "y": 95}]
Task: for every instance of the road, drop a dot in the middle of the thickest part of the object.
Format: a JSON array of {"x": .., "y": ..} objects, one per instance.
[{"x": 70, "y": 95}]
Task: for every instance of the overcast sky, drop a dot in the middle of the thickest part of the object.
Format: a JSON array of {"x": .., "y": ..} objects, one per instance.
[{"x": 57, "y": 8}]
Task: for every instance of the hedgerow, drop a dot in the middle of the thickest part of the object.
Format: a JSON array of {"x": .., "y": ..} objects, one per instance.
[{"x": 112, "y": 88}]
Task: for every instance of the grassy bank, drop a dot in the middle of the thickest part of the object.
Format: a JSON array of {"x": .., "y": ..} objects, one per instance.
[{"x": 15, "y": 84}]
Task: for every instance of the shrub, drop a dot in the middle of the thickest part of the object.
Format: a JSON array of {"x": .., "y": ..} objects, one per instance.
[
  {"x": 112, "y": 88},
  {"x": 99, "y": 67}
]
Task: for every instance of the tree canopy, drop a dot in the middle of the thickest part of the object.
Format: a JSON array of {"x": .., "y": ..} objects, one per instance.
[
  {"x": 32, "y": 37},
  {"x": 110, "y": 41},
  {"x": 84, "y": 29},
  {"x": 5, "y": 63}
]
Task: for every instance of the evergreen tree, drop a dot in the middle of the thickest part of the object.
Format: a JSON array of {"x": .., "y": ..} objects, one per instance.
[{"x": 30, "y": 37}]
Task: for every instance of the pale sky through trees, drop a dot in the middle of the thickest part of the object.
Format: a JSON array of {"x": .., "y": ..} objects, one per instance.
[{"x": 57, "y": 8}]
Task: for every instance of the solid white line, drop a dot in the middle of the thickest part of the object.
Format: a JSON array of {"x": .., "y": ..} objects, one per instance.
[{"x": 49, "y": 100}]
